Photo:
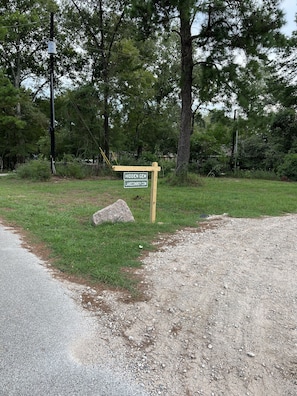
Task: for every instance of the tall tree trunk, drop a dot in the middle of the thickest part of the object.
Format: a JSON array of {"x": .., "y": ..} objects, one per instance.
[{"x": 183, "y": 152}]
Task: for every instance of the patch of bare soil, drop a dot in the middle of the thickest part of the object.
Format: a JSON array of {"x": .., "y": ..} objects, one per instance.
[{"x": 219, "y": 317}]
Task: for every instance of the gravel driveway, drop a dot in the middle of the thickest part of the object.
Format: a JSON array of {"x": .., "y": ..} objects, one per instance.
[{"x": 220, "y": 312}]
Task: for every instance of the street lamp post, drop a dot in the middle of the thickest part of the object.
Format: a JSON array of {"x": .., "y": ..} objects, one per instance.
[{"x": 52, "y": 52}]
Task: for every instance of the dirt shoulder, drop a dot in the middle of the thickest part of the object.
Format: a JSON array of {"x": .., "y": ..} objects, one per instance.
[{"x": 220, "y": 315}]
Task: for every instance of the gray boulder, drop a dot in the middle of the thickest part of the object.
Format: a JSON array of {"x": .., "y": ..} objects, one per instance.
[{"x": 115, "y": 213}]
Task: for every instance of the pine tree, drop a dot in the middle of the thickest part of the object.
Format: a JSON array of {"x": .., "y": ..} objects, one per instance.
[{"x": 216, "y": 36}]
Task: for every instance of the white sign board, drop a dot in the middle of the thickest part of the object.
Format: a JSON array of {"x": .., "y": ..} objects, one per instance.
[{"x": 135, "y": 179}]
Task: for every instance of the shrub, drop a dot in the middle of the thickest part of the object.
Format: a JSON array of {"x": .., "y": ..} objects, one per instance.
[
  {"x": 148, "y": 157},
  {"x": 131, "y": 160},
  {"x": 288, "y": 168},
  {"x": 37, "y": 170},
  {"x": 184, "y": 180},
  {"x": 253, "y": 174},
  {"x": 167, "y": 167},
  {"x": 73, "y": 169},
  {"x": 212, "y": 166}
]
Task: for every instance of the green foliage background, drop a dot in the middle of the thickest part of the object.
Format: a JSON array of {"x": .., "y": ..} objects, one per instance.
[{"x": 124, "y": 83}]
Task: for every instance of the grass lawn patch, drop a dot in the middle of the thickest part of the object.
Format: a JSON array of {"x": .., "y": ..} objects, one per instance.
[{"x": 57, "y": 214}]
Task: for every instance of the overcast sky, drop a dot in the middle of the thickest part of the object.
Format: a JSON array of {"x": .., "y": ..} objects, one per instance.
[{"x": 290, "y": 9}]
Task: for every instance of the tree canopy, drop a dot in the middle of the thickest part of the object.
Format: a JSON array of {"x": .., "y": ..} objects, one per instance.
[
  {"x": 224, "y": 30},
  {"x": 142, "y": 77}
]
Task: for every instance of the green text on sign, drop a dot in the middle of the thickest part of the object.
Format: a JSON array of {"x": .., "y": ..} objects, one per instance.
[{"x": 135, "y": 179}]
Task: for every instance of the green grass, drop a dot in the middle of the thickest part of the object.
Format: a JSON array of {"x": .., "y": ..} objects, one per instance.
[{"x": 58, "y": 213}]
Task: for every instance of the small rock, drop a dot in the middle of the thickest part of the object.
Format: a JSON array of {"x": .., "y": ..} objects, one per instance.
[{"x": 250, "y": 354}]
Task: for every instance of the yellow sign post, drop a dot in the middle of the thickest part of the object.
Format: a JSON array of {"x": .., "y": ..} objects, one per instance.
[{"x": 154, "y": 168}]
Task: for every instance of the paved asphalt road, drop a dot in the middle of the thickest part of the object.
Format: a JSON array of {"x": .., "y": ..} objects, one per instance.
[{"x": 39, "y": 327}]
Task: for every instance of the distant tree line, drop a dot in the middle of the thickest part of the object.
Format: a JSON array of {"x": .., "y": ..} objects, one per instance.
[{"x": 146, "y": 79}]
